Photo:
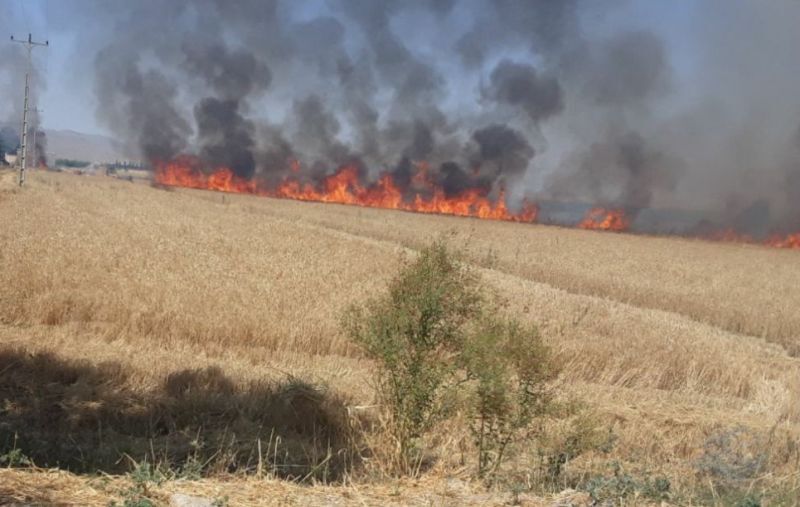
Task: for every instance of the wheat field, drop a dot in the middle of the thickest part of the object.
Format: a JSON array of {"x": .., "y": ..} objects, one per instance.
[{"x": 668, "y": 341}]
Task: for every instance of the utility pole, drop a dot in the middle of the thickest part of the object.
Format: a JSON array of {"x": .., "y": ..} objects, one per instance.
[{"x": 29, "y": 45}]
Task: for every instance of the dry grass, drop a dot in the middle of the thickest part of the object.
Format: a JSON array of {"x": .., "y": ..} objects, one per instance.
[
  {"x": 744, "y": 289},
  {"x": 60, "y": 488},
  {"x": 669, "y": 340}
]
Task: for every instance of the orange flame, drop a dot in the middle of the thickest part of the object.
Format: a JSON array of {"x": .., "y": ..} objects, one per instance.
[
  {"x": 184, "y": 172},
  {"x": 605, "y": 220},
  {"x": 345, "y": 187},
  {"x": 788, "y": 241}
]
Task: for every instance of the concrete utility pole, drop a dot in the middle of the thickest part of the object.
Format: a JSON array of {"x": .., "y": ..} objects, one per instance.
[{"x": 29, "y": 45}]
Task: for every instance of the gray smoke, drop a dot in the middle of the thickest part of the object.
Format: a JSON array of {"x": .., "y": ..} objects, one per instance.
[
  {"x": 792, "y": 183},
  {"x": 543, "y": 27},
  {"x": 621, "y": 172},
  {"x": 629, "y": 69},
  {"x": 13, "y": 66},
  {"x": 619, "y": 81},
  {"x": 139, "y": 106},
  {"x": 567, "y": 99},
  {"x": 317, "y": 130},
  {"x": 13, "y": 63}
]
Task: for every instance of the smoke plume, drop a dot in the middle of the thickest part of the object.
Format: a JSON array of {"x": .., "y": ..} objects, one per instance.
[
  {"x": 519, "y": 85},
  {"x": 572, "y": 100}
]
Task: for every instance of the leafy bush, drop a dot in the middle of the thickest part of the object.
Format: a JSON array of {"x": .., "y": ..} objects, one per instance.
[
  {"x": 15, "y": 458},
  {"x": 413, "y": 331},
  {"x": 435, "y": 337},
  {"x": 142, "y": 478},
  {"x": 511, "y": 368}
]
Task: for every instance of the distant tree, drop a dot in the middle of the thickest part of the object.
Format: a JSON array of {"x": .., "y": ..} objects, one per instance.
[
  {"x": 77, "y": 164},
  {"x": 125, "y": 164}
]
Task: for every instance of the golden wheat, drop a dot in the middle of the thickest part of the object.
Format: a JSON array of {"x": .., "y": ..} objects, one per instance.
[{"x": 667, "y": 339}]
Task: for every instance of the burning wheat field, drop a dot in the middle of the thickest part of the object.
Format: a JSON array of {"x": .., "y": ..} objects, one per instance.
[
  {"x": 139, "y": 316},
  {"x": 383, "y": 253}
]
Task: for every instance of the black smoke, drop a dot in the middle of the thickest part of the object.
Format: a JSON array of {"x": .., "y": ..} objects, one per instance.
[
  {"x": 226, "y": 137},
  {"x": 503, "y": 150},
  {"x": 520, "y": 85}
]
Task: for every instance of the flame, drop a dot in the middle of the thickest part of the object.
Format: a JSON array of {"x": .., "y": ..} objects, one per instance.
[
  {"x": 605, "y": 220},
  {"x": 788, "y": 241},
  {"x": 729, "y": 235},
  {"x": 184, "y": 171},
  {"x": 346, "y": 187}
]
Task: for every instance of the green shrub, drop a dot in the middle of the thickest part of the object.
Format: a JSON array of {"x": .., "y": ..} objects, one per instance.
[
  {"x": 15, "y": 458},
  {"x": 414, "y": 331},
  {"x": 511, "y": 368},
  {"x": 436, "y": 338},
  {"x": 142, "y": 478}
]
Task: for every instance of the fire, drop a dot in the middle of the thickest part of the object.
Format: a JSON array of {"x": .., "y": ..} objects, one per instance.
[
  {"x": 345, "y": 186},
  {"x": 605, "y": 220},
  {"x": 788, "y": 241},
  {"x": 729, "y": 235},
  {"x": 184, "y": 172}
]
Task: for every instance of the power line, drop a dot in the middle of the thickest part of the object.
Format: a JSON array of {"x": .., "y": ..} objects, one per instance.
[{"x": 29, "y": 45}]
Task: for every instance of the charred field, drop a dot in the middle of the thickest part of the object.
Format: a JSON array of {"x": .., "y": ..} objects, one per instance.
[{"x": 199, "y": 331}]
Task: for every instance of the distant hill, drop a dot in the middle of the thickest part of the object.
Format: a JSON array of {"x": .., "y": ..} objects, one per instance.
[
  {"x": 79, "y": 146},
  {"x": 75, "y": 145}
]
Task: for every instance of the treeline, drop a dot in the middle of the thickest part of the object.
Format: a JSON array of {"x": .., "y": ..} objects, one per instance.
[
  {"x": 126, "y": 164},
  {"x": 66, "y": 162}
]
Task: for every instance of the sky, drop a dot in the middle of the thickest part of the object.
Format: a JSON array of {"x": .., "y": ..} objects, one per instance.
[{"x": 67, "y": 100}]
